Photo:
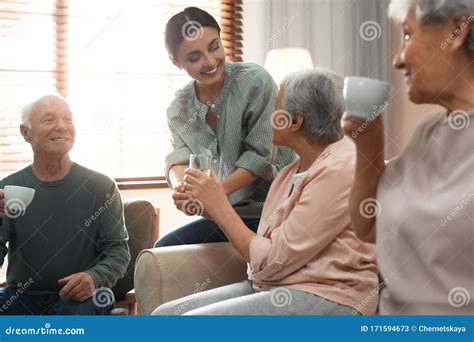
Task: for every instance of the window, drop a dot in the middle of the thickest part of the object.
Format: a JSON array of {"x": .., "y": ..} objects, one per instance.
[{"x": 107, "y": 57}]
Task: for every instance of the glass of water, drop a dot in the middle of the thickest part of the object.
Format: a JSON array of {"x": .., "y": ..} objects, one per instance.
[{"x": 201, "y": 162}]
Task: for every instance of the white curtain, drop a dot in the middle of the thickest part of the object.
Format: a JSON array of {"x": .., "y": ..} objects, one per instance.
[{"x": 348, "y": 36}]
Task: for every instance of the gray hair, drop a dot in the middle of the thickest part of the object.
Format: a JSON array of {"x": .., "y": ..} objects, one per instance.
[
  {"x": 437, "y": 12},
  {"x": 27, "y": 109},
  {"x": 317, "y": 95}
]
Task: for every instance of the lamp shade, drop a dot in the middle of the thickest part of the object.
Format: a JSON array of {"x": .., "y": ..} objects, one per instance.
[{"x": 280, "y": 62}]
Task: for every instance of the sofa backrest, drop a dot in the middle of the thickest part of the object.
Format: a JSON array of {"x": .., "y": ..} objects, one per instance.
[{"x": 142, "y": 222}]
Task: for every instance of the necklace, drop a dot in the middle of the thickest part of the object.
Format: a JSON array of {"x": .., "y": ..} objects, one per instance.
[{"x": 210, "y": 105}]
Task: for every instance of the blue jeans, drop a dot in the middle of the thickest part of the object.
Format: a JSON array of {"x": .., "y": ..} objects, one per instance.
[
  {"x": 201, "y": 230},
  {"x": 13, "y": 302},
  {"x": 242, "y": 299}
]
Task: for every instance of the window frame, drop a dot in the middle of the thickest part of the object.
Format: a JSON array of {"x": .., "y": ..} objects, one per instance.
[{"x": 231, "y": 23}]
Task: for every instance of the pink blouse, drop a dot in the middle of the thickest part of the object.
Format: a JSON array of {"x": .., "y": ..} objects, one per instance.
[{"x": 304, "y": 240}]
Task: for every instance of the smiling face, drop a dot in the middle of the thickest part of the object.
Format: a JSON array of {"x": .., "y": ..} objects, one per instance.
[
  {"x": 428, "y": 69},
  {"x": 202, "y": 57},
  {"x": 51, "y": 129}
]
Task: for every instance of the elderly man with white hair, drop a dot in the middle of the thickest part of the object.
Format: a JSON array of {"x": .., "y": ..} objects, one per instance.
[
  {"x": 70, "y": 244},
  {"x": 304, "y": 259},
  {"x": 424, "y": 231}
]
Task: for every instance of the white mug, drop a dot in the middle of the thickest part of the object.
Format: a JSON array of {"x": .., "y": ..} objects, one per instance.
[
  {"x": 17, "y": 198},
  {"x": 365, "y": 97}
]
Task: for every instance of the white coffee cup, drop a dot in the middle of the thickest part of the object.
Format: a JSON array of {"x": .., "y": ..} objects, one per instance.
[
  {"x": 365, "y": 97},
  {"x": 17, "y": 198}
]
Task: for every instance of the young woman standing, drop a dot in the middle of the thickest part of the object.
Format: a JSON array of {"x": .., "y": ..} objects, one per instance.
[{"x": 224, "y": 112}]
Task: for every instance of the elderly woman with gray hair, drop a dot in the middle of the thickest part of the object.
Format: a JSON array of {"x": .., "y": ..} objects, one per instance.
[
  {"x": 304, "y": 259},
  {"x": 424, "y": 198}
]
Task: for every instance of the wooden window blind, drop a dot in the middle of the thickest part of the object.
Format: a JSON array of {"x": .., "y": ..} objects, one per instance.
[
  {"x": 107, "y": 58},
  {"x": 231, "y": 24}
]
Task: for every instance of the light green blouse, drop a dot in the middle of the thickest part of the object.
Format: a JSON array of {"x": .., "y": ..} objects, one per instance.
[{"x": 244, "y": 133}]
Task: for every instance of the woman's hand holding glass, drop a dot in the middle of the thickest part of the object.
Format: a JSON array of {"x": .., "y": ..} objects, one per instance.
[{"x": 208, "y": 192}]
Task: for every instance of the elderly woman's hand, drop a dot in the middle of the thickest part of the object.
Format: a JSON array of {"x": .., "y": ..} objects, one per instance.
[
  {"x": 368, "y": 135},
  {"x": 207, "y": 192}
]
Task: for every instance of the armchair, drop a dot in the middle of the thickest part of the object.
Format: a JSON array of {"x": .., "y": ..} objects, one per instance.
[{"x": 167, "y": 273}]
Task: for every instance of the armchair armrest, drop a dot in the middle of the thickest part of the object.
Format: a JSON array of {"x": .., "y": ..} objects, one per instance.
[{"x": 167, "y": 273}]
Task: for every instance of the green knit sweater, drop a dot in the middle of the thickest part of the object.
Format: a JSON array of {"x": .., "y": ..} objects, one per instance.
[{"x": 72, "y": 225}]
